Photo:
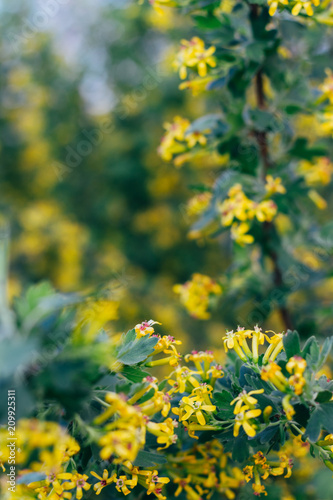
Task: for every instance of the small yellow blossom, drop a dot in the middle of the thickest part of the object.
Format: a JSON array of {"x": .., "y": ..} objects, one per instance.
[
  {"x": 273, "y": 186},
  {"x": 327, "y": 86},
  {"x": 145, "y": 328},
  {"x": 246, "y": 399},
  {"x": 198, "y": 203},
  {"x": 317, "y": 199},
  {"x": 239, "y": 233},
  {"x": 245, "y": 419},
  {"x": 104, "y": 481},
  {"x": 194, "y": 55}
]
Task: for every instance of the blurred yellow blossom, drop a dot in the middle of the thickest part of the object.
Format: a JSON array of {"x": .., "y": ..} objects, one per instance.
[{"x": 195, "y": 294}]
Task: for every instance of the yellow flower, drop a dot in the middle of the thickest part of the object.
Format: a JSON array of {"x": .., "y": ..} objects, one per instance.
[
  {"x": 158, "y": 5},
  {"x": 125, "y": 435},
  {"x": 327, "y": 86},
  {"x": 197, "y": 85},
  {"x": 244, "y": 419},
  {"x": 273, "y": 186},
  {"x": 196, "y": 405},
  {"x": 123, "y": 484},
  {"x": 164, "y": 431},
  {"x": 79, "y": 481},
  {"x": 193, "y": 138},
  {"x": 236, "y": 340},
  {"x": 246, "y": 399},
  {"x": 296, "y": 366},
  {"x": 288, "y": 408},
  {"x": 275, "y": 347},
  {"x": 239, "y": 234},
  {"x": 195, "y": 294},
  {"x": 317, "y": 199},
  {"x": 273, "y": 373},
  {"x": 316, "y": 173},
  {"x": 104, "y": 481},
  {"x": 194, "y": 55},
  {"x": 265, "y": 211},
  {"x": 198, "y": 203},
  {"x": 198, "y": 357},
  {"x": 145, "y": 328},
  {"x": 306, "y": 5},
  {"x": 298, "y": 6},
  {"x": 183, "y": 376},
  {"x": 184, "y": 484}
]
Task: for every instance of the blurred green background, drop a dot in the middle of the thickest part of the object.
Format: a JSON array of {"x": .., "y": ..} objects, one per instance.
[{"x": 85, "y": 89}]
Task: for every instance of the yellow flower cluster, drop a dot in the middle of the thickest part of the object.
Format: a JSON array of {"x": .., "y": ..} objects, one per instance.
[
  {"x": 126, "y": 434},
  {"x": 317, "y": 173},
  {"x": 34, "y": 435},
  {"x": 298, "y": 6},
  {"x": 48, "y": 448},
  {"x": 270, "y": 371},
  {"x": 196, "y": 294},
  {"x": 292, "y": 385},
  {"x": 93, "y": 315},
  {"x": 178, "y": 140},
  {"x": 263, "y": 468},
  {"x": 203, "y": 469},
  {"x": 132, "y": 476},
  {"x": 194, "y": 55},
  {"x": 237, "y": 210}
]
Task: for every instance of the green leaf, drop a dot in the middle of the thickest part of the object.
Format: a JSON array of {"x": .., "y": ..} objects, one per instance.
[
  {"x": 240, "y": 451},
  {"x": 223, "y": 399},
  {"x": 134, "y": 350},
  {"x": 134, "y": 374},
  {"x": 147, "y": 459},
  {"x": 255, "y": 51},
  {"x": 209, "y": 122},
  {"x": 207, "y": 22},
  {"x": 30, "y": 300},
  {"x": 312, "y": 358},
  {"x": 291, "y": 343},
  {"x": 262, "y": 120},
  {"x": 307, "y": 346},
  {"x": 300, "y": 149},
  {"x": 31, "y": 477},
  {"x": 324, "y": 397},
  {"x": 325, "y": 351},
  {"x": 321, "y": 418},
  {"x": 16, "y": 353}
]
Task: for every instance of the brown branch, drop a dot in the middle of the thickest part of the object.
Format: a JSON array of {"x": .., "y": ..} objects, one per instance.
[{"x": 261, "y": 137}]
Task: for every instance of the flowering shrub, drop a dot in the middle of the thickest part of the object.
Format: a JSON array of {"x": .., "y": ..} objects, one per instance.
[
  {"x": 272, "y": 131},
  {"x": 131, "y": 415},
  {"x": 116, "y": 415}
]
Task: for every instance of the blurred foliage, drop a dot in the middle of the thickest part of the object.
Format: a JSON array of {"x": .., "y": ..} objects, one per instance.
[{"x": 82, "y": 185}]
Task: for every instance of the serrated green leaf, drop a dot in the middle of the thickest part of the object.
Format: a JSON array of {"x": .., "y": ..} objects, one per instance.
[
  {"x": 321, "y": 418},
  {"x": 135, "y": 351},
  {"x": 134, "y": 374}
]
